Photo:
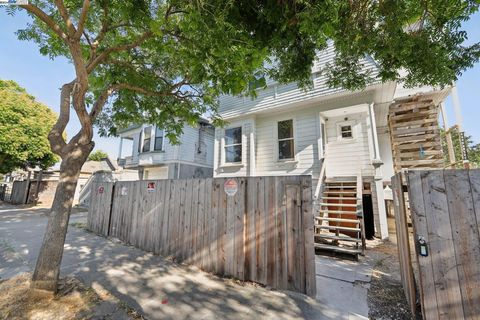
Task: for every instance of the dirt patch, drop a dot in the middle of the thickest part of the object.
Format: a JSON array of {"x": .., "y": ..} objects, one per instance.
[
  {"x": 73, "y": 301},
  {"x": 386, "y": 298}
]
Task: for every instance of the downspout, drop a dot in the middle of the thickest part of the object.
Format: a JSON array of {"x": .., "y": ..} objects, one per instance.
[{"x": 373, "y": 128}]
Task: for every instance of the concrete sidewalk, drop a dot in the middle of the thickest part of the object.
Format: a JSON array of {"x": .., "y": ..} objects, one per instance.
[{"x": 160, "y": 289}]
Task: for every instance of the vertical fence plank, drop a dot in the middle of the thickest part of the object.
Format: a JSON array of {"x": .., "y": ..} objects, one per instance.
[
  {"x": 261, "y": 231},
  {"x": 229, "y": 238},
  {"x": 466, "y": 238},
  {"x": 239, "y": 259},
  {"x": 270, "y": 231},
  {"x": 403, "y": 242},
  {"x": 250, "y": 238},
  {"x": 210, "y": 204},
  {"x": 282, "y": 187},
  {"x": 307, "y": 221},
  {"x": 444, "y": 262},
  {"x": 419, "y": 219}
]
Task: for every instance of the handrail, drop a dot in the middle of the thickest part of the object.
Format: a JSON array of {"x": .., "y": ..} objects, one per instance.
[
  {"x": 321, "y": 177},
  {"x": 360, "y": 208},
  {"x": 85, "y": 190}
]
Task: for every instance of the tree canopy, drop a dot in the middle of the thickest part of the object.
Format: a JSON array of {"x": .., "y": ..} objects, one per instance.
[
  {"x": 98, "y": 155},
  {"x": 24, "y": 127},
  {"x": 167, "y": 62}
]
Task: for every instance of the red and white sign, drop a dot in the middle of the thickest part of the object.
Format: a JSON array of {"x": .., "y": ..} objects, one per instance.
[
  {"x": 151, "y": 187},
  {"x": 231, "y": 187},
  {"x": 101, "y": 189}
]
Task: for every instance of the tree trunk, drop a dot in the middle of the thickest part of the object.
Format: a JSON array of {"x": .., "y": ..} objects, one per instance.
[{"x": 47, "y": 269}]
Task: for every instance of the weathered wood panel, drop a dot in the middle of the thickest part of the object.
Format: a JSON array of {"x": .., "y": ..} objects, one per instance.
[
  {"x": 445, "y": 206},
  {"x": 403, "y": 242},
  {"x": 98, "y": 219},
  {"x": 262, "y": 233}
]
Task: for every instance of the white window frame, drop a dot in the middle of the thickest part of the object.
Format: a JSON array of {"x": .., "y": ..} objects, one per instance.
[
  {"x": 352, "y": 125},
  {"x": 223, "y": 154},
  {"x": 277, "y": 140},
  {"x": 322, "y": 147},
  {"x": 155, "y": 139}
]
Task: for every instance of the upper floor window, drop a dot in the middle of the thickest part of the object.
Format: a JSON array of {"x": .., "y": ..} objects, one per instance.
[
  {"x": 147, "y": 136},
  {"x": 286, "y": 143},
  {"x": 158, "y": 139},
  {"x": 233, "y": 145},
  {"x": 346, "y": 131}
]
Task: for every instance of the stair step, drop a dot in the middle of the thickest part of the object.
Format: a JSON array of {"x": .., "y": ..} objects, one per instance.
[
  {"x": 337, "y": 228},
  {"x": 338, "y": 220},
  {"x": 352, "y": 205},
  {"x": 340, "y": 181},
  {"x": 334, "y": 237},
  {"x": 340, "y": 192},
  {"x": 339, "y": 198},
  {"x": 337, "y": 249},
  {"x": 340, "y": 187},
  {"x": 338, "y": 211}
]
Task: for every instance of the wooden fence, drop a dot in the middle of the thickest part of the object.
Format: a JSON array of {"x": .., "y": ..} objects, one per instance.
[
  {"x": 445, "y": 213},
  {"x": 262, "y": 233}
]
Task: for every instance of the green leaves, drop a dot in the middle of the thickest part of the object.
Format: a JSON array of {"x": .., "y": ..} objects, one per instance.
[
  {"x": 170, "y": 60},
  {"x": 98, "y": 155},
  {"x": 24, "y": 127}
]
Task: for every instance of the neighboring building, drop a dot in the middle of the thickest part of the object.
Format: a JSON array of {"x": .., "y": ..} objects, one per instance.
[
  {"x": 25, "y": 184},
  {"x": 156, "y": 158},
  {"x": 332, "y": 134}
]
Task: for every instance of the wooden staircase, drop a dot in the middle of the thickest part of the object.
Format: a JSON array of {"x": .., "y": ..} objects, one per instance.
[{"x": 339, "y": 225}]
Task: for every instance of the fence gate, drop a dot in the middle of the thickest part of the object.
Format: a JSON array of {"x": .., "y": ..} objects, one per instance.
[
  {"x": 256, "y": 228},
  {"x": 445, "y": 212}
]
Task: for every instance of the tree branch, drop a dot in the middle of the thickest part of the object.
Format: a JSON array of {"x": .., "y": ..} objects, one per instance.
[
  {"x": 101, "y": 100},
  {"x": 95, "y": 61},
  {"x": 82, "y": 19},
  {"x": 46, "y": 19},
  {"x": 55, "y": 135},
  {"x": 65, "y": 16}
]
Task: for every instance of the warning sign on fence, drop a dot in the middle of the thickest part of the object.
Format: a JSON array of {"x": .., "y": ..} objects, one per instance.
[
  {"x": 151, "y": 187},
  {"x": 231, "y": 187},
  {"x": 101, "y": 189}
]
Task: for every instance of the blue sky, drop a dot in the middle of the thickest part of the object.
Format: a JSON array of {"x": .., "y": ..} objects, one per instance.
[{"x": 42, "y": 77}]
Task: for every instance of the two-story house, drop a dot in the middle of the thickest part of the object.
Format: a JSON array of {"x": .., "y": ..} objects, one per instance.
[
  {"x": 156, "y": 158},
  {"x": 337, "y": 136}
]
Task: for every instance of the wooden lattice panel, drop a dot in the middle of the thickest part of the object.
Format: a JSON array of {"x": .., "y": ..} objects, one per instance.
[{"x": 415, "y": 134}]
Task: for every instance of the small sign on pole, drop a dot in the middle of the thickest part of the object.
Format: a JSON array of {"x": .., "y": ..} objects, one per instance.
[
  {"x": 231, "y": 187},
  {"x": 101, "y": 189}
]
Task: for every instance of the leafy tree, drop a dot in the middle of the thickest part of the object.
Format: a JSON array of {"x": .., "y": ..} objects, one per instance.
[
  {"x": 24, "y": 127},
  {"x": 166, "y": 62},
  {"x": 473, "y": 149},
  {"x": 97, "y": 155}
]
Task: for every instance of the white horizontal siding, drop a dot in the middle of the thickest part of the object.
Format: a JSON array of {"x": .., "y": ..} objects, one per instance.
[
  {"x": 184, "y": 152},
  {"x": 345, "y": 157},
  {"x": 278, "y": 95},
  {"x": 306, "y": 135}
]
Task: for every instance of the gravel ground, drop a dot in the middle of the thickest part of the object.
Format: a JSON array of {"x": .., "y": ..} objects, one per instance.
[{"x": 386, "y": 299}]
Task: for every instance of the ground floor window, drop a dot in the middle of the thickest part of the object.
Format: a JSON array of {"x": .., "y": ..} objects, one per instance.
[
  {"x": 233, "y": 145},
  {"x": 286, "y": 141}
]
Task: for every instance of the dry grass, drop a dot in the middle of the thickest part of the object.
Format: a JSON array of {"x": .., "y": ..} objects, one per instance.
[{"x": 20, "y": 302}]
